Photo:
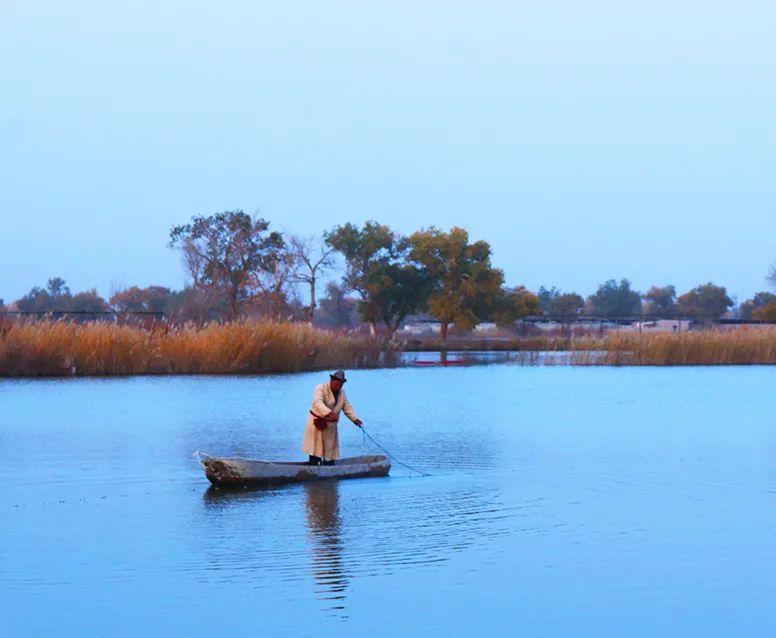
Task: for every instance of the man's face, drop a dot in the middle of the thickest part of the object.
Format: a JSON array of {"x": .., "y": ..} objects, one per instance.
[{"x": 335, "y": 385}]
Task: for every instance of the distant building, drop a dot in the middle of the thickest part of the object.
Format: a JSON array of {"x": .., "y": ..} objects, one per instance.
[
  {"x": 485, "y": 326},
  {"x": 658, "y": 325},
  {"x": 421, "y": 327}
]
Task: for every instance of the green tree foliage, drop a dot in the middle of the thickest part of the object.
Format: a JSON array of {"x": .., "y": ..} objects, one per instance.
[
  {"x": 566, "y": 306},
  {"x": 228, "y": 254},
  {"x": 398, "y": 289},
  {"x": 559, "y": 305},
  {"x": 156, "y": 299},
  {"x": 465, "y": 286},
  {"x": 55, "y": 297},
  {"x": 545, "y": 298},
  {"x": 763, "y": 305},
  {"x": 766, "y": 312},
  {"x": 37, "y": 300},
  {"x": 57, "y": 288},
  {"x": 336, "y": 309},
  {"x": 365, "y": 250},
  {"x": 615, "y": 300},
  {"x": 754, "y": 305},
  {"x": 660, "y": 301},
  {"x": 361, "y": 248},
  {"x": 389, "y": 286},
  {"x": 89, "y": 302},
  {"x": 513, "y": 304},
  {"x": 706, "y": 302}
]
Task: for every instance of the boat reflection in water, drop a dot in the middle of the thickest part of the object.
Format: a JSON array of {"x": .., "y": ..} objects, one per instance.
[
  {"x": 456, "y": 358},
  {"x": 240, "y": 548},
  {"x": 324, "y": 529}
]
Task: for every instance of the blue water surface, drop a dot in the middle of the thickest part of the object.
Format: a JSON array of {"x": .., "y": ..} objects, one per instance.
[{"x": 563, "y": 501}]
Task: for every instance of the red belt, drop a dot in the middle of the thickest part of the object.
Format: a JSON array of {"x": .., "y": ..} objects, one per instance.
[{"x": 319, "y": 422}]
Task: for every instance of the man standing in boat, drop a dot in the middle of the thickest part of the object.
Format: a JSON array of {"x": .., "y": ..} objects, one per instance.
[{"x": 321, "y": 440}]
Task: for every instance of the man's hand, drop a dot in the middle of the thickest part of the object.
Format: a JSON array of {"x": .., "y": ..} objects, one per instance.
[{"x": 358, "y": 422}]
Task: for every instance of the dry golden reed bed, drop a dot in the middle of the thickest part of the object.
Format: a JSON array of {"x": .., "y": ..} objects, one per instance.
[
  {"x": 741, "y": 346},
  {"x": 55, "y": 348},
  {"x": 63, "y": 349}
]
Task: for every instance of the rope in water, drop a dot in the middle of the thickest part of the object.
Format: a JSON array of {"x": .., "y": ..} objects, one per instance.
[{"x": 391, "y": 456}]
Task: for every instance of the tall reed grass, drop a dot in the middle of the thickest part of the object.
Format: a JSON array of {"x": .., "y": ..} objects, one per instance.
[
  {"x": 62, "y": 349},
  {"x": 741, "y": 346},
  {"x": 56, "y": 348}
]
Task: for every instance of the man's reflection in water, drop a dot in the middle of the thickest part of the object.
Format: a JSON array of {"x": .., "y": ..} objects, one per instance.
[{"x": 323, "y": 521}]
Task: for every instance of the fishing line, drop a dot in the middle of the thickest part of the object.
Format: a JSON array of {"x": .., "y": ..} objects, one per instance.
[{"x": 391, "y": 456}]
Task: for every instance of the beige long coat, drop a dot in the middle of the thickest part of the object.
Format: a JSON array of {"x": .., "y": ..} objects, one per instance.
[{"x": 325, "y": 443}]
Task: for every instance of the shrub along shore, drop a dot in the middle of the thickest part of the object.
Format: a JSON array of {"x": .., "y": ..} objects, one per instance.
[{"x": 56, "y": 348}]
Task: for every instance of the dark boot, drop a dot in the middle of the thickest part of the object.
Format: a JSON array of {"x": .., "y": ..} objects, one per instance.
[
  {"x": 328, "y": 462},
  {"x": 314, "y": 460}
]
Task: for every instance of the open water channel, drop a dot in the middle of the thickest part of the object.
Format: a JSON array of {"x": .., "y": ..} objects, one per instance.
[{"x": 563, "y": 501}]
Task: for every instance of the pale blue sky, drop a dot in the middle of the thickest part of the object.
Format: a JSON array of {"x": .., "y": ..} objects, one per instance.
[{"x": 584, "y": 140}]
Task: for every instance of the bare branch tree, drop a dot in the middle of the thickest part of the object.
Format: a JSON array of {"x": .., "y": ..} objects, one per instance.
[
  {"x": 275, "y": 278},
  {"x": 225, "y": 252},
  {"x": 194, "y": 261},
  {"x": 313, "y": 258}
]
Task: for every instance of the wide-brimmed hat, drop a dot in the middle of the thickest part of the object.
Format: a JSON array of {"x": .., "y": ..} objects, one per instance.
[{"x": 339, "y": 374}]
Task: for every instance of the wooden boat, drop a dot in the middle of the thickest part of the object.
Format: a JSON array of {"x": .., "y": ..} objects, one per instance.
[{"x": 238, "y": 471}]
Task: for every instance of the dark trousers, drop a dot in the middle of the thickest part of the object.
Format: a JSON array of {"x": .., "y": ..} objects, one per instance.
[{"x": 317, "y": 460}]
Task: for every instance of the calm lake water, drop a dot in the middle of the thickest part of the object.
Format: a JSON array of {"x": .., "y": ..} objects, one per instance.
[{"x": 563, "y": 501}]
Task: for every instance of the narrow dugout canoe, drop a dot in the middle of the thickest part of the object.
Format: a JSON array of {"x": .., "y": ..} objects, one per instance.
[{"x": 237, "y": 471}]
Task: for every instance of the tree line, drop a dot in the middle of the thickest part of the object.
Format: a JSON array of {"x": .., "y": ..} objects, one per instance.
[
  {"x": 239, "y": 267},
  {"x": 706, "y": 302},
  {"x": 238, "y": 261}
]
